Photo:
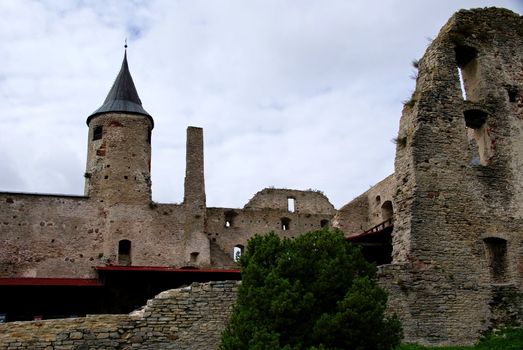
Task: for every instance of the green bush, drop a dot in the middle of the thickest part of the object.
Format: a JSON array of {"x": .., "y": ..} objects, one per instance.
[{"x": 313, "y": 292}]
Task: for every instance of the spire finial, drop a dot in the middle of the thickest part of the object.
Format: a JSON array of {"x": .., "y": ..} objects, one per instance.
[{"x": 125, "y": 46}]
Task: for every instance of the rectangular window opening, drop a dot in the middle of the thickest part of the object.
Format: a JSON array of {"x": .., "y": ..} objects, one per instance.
[{"x": 291, "y": 204}]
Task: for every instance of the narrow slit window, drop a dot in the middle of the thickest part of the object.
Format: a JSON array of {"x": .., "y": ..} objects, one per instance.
[{"x": 97, "y": 133}]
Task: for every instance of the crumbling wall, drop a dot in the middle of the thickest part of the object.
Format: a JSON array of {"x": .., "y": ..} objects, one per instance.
[
  {"x": 458, "y": 226},
  {"x": 187, "y": 318},
  {"x": 268, "y": 211},
  {"x": 368, "y": 209},
  {"x": 305, "y": 202}
]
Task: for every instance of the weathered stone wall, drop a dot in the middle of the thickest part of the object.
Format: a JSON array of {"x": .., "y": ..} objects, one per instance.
[
  {"x": 458, "y": 229},
  {"x": 268, "y": 211},
  {"x": 305, "y": 202},
  {"x": 197, "y": 244},
  {"x": 118, "y": 166},
  {"x": 368, "y": 209},
  {"x": 186, "y": 318},
  {"x": 67, "y": 236}
]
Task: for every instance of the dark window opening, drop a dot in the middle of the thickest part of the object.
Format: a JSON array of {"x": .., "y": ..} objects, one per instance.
[
  {"x": 194, "y": 257},
  {"x": 496, "y": 251},
  {"x": 464, "y": 55},
  {"x": 387, "y": 212},
  {"x": 97, "y": 132},
  {"x": 237, "y": 252},
  {"x": 378, "y": 199},
  {"x": 478, "y": 136},
  {"x": 512, "y": 94},
  {"x": 324, "y": 223},
  {"x": 229, "y": 218},
  {"x": 285, "y": 224},
  {"x": 124, "y": 252},
  {"x": 475, "y": 118},
  {"x": 106, "y": 177}
]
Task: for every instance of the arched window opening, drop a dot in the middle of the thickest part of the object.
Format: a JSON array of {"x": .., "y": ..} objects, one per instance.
[
  {"x": 386, "y": 211},
  {"x": 291, "y": 204},
  {"x": 285, "y": 224},
  {"x": 478, "y": 136},
  {"x": 237, "y": 252},
  {"x": 97, "y": 132},
  {"x": 194, "y": 257},
  {"x": 496, "y": 253},
  {"x": 378, "y": 199},
  {"x": 124, "y": 252},
  {"x": 229, "y": 218},
  {"x": 324, "y": 223}
]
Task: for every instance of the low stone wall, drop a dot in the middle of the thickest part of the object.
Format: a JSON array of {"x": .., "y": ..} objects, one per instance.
[{"x": 186, "y": 318}]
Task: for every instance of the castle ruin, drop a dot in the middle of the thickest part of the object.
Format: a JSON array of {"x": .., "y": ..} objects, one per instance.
[{"x": 446, "y": 228}]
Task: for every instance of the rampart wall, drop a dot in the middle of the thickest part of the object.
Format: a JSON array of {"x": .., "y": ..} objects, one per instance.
[{"x": 187, "y": 318}]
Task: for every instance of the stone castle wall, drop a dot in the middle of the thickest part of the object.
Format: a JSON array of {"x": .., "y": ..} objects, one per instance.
[
  {"x": 187, "y": 318},
  {"x": 368, "y": 209},
  {"x": 458, "y": 231}
]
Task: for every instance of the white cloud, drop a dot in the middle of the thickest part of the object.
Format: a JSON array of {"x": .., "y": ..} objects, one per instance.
[{"x": 290, "y": 94}]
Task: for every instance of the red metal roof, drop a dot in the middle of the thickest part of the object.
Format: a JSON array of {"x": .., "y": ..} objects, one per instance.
[
  {"x": 164, "y": 269},
  {"x": 78, "y": 282}
]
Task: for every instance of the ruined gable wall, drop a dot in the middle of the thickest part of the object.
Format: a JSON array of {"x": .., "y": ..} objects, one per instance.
[
  {"x": 368, "y": 209},
  {"x": 186, "y": 318},
  {"x": 264, "y": 213},
  {"x": 448, "y": 202}
]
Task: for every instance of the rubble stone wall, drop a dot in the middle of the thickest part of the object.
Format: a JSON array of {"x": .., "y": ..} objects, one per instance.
[{"x": 187, "y": 318}]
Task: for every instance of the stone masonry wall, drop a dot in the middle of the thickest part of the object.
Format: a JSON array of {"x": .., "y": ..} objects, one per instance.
[
  {"x": 458, "y": 231},
  {"x": 368, "y": 209},
  {"x": 187, "y": 318}
]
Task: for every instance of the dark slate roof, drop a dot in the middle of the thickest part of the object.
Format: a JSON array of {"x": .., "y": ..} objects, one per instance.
[{"x": 123, "y": 97}]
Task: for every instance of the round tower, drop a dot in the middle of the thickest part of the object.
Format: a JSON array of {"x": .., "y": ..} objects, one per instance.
[{"x": 119, "y": 145}]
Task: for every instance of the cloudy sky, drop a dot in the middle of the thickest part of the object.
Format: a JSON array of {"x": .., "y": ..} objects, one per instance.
[{"x": 291, "y": 94}]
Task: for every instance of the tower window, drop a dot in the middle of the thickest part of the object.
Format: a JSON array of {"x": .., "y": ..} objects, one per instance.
[
  {"x": 124, "y": 252},
  {"x": 194, "y": 257},
  {"x": 285, "y": 224},
  {"x": 97, "y": 133}
]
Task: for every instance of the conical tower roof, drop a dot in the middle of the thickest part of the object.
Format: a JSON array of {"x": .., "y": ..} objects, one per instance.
[{"x": 123, "y": 97}]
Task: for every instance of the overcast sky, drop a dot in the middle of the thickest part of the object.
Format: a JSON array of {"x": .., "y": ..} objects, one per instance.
[{"x": 290, "y": 94}]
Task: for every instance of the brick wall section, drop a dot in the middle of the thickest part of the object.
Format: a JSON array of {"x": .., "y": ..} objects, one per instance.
[{"x": 186, "y": 318}]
